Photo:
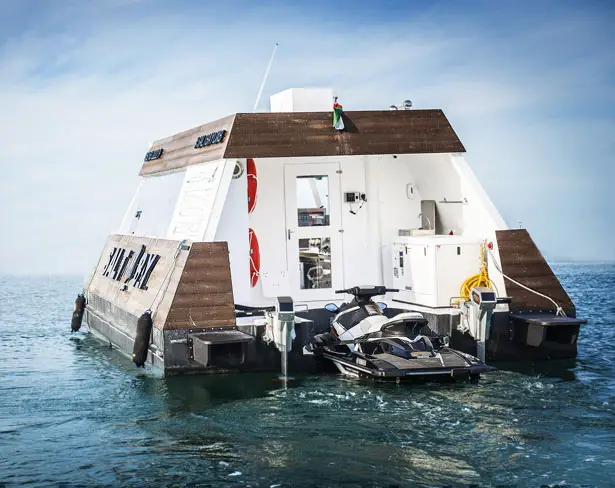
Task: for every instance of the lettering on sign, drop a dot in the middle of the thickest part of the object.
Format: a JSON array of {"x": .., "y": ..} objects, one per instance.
[
  {"x": 209, "y": 139},
  {"x": 157, "y": 154},
  {"x": 134, "y": 268}
]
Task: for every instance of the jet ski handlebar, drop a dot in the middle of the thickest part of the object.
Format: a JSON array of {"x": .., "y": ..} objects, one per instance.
[{"x": 366, "y": 292}]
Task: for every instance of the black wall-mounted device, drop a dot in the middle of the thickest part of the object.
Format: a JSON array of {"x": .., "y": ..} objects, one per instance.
[{"x": 354, "y": 196}]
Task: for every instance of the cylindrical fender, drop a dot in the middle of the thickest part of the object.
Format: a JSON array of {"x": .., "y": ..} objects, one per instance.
[
  {"x": 144, "y": 331},
  {"x": 252, "y": 184},
  {"x": 255, "y": 258},
  {"x": 75, "y": 323}
]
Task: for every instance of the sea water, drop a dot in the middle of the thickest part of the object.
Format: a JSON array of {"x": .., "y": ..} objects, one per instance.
[{"x": 74, "y": 412}]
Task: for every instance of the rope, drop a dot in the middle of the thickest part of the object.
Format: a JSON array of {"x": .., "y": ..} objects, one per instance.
[
  {"x": 166, "y": 286},
  {"x": 130, "y": 207},
  {"x": 559, "y": 310}
]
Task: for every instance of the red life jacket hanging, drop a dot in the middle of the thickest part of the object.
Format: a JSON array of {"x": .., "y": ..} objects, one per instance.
[
  {"x": 255, "y": 258},
  {"x": 255, "y": 255},
  {"x": 252, "y": 184}
]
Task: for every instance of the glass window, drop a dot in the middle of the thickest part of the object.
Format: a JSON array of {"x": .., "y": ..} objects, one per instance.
[
  {"x": 315, "y": 263},
  {"x": 312, "y": 201}
]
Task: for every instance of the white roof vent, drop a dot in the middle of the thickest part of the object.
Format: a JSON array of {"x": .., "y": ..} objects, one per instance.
[{"x": 303, "y": 100}]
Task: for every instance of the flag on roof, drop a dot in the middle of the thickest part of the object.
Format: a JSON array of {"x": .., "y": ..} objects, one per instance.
[{"x": 338, "y": 110}]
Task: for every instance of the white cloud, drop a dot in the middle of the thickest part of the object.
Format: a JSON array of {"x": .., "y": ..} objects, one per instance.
[{"x": 80, "y": 107}]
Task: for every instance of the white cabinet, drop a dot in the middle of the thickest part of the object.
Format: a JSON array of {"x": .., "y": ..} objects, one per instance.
[{"x": 429, "y": 270}]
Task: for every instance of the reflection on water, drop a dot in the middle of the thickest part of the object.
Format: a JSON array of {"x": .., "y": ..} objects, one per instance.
[
  {"x": 74, "y": 412},
  {"x": 202, "y": 391},
  {"x": 563, "y": 369}
]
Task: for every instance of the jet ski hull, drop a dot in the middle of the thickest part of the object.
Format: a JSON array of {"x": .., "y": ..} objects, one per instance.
[{"x": 445, "y": 366}]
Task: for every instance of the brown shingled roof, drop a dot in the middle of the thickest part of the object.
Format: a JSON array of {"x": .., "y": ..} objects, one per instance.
[{"x": 295, "y": 134}]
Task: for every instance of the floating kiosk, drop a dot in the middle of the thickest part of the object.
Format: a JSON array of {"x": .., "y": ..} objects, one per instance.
[{"x": 297, "y": 203}]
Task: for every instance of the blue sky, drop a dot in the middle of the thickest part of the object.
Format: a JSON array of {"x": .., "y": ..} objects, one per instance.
[{"x": 85, "y": 86}]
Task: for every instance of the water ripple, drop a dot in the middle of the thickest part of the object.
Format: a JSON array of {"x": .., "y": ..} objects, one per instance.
[{"x": 75, "y": 413}]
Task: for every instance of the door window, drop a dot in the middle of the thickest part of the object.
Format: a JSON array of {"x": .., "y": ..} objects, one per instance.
[
  {"x": 315, "y": 263},
  {"x": 312, "y": 201}
]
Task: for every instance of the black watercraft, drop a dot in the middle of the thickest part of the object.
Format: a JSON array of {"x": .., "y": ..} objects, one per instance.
[{"x": 364, "y": 342}]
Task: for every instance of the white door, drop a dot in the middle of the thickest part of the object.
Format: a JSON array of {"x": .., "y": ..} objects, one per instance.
[{"x": 313, "y": 230}]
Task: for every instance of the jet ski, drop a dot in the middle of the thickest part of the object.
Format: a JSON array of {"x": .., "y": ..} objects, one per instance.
[{"x": 363, "y": 342}]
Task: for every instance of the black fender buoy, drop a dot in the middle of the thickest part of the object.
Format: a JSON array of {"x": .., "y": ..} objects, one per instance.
[
  {"x": 144, "y": 331},
  {"x": 75, "y": 323}
]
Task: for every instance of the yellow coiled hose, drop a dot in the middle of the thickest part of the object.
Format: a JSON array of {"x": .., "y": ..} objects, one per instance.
[{"x": 481, "y": 279}]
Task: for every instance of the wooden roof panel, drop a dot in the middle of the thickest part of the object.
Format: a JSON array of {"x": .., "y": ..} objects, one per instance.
[
  {"x": 367, "y": 132},
  {"x": 304, "y": 134},
  {"x": 179, "y": 150}
]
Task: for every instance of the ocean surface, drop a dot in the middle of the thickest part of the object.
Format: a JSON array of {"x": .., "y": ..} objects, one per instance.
[{"x": 74, "y": 412}]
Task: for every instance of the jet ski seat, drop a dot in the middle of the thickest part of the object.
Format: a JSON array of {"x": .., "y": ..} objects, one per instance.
[{"x": 405, "y": 325}]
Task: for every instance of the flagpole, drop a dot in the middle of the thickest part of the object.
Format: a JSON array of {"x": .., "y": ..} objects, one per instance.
[{"x": 260, "y": 92}]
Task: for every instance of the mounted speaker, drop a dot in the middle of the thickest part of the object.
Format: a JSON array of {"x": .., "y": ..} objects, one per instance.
[{"x": 237, "y": 170}]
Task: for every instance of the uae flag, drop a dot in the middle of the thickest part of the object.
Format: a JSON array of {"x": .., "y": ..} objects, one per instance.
[{"x": 338, "y": 122}]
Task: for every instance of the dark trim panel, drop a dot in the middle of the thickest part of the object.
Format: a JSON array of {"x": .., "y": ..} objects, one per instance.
[{"x": 522, "y": 261}]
